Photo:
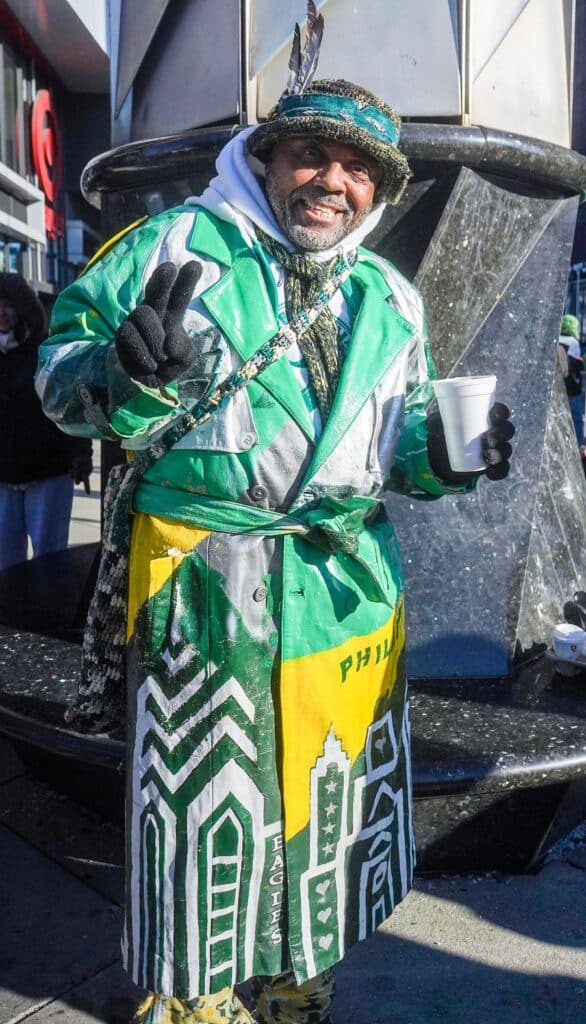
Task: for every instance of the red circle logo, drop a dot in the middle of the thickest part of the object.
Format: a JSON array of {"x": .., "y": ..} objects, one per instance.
[{"x": 46, "y": 142}]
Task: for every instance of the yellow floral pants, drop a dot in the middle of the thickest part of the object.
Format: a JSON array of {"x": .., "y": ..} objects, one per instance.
[{"x": 278, "y": 1000}]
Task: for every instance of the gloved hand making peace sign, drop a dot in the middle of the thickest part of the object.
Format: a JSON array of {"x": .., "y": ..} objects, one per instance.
[
  {"x": 496, "y": 447},
  {"x": 152, "y": 344}
]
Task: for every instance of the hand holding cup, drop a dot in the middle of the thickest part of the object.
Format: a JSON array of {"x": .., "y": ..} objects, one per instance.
[{"x": 471, "y": 433}]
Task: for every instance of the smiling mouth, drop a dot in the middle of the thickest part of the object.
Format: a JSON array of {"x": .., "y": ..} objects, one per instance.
[{"x": 319, "y": 213}]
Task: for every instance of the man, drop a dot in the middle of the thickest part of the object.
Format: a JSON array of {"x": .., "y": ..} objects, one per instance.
[{"x": 269, "y": 806}]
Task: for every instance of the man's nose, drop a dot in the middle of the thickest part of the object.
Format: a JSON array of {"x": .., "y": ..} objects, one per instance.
[{"x": 331, "y": 176}]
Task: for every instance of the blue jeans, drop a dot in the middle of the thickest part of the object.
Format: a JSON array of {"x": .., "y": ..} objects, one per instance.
[{"x": 40, "y": 510}]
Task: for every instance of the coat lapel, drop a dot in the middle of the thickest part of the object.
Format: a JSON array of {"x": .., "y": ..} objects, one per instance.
[
  {"x": 240, "y": 305},
  {"x": 379, "y": 334}
]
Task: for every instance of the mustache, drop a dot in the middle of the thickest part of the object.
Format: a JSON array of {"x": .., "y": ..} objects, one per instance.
[{"x": 316, "y": 194}]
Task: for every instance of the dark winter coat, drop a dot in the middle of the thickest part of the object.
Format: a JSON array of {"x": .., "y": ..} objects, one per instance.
[{"x": 31, "y": 446}]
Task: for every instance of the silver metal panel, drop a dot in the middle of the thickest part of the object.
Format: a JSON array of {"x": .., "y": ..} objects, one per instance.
[
  {"x": 521, "y": 67},
  {"x": 138, "y": 24},
  {"x": 65, "y": 41},
  {"x": 93, "y": 15},
  {"x": 192, "y": 77},
  {"x": 490, "y": 25},
  {"x": 121, "y": 124},
  {"x": 406, "y": 53},
  {"x": 272, "y": 28}
]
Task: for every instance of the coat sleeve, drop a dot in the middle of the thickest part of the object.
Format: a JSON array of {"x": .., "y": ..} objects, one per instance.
[
  {"x": 412, "y": 473},
  {"x": 80, "y": 380}
]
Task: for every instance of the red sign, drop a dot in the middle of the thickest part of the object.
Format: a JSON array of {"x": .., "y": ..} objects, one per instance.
[
  {"x": 46, "y": 144},
  {"x": 54, "y": 223}
]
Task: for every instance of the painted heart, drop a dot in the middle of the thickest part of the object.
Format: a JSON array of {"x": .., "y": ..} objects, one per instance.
[
  {"x": 322, "y": 887},
  {"x": 324, "y": 914},
  {"x": 326, "y": 941}
]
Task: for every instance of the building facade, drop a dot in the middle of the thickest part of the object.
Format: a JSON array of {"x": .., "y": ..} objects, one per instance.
[{"x": 54, "y": 116}]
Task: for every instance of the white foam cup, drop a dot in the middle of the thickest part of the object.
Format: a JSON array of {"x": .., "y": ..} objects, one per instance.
[
  {"x": 568, "y": 640},
  {"x": 464, "y": 404}
]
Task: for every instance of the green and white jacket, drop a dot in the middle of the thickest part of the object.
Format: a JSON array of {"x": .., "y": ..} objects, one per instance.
[{"x": 303, "y": 734}]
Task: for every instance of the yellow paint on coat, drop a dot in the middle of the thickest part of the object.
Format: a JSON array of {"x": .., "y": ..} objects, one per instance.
[
  {"x": 111, "y": 242},
  {"x": 338, "y": 688},
  {"x": 157, "y": 548}
]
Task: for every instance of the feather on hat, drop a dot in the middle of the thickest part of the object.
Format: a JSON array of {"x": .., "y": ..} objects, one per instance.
[{"x": 334, "y": 109}]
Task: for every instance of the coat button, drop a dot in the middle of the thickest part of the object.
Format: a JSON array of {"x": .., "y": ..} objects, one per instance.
[
  {"x": 85, "y": 395},
  {"x": 259, "y": 594},
  {"x": 258, "y": 492},
  {"x": 247, "y": 441}
]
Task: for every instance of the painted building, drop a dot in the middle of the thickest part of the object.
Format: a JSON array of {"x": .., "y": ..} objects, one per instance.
[{"x": 54, "y": 116}]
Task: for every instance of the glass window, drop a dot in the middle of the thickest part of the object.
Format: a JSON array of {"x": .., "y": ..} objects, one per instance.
[
  {"x": 25, "y": 144},
  {"x": 27, "y": 149},
  {"x": 52, "y": 262},
  {"x": 12, "y": 255},
  {"x": 15, "y": 257},
  {"x": 10, "y": 119}
]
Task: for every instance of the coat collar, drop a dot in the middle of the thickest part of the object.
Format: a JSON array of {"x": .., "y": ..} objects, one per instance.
[
  {"x": 379, "y": 334},
  {"x": 241, "y": 306}
]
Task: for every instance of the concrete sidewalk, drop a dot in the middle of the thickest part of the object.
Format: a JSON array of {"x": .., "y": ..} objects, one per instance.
[{"x": 485, "y": 949}]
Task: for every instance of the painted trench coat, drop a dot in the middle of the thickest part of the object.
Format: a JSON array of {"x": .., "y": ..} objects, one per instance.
[{"x": 269, "y": 797}]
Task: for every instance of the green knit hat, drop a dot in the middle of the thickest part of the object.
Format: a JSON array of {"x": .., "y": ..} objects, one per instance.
[
  {"x": 339, "y": 110},
  {"x": 570, "y": 326}
]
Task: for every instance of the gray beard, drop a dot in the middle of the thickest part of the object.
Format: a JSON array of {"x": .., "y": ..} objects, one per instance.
[{"x": 308, "y": 238}]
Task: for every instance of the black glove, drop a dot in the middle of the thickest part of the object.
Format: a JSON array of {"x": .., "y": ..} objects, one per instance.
[
  {"x": 575, "y": 611},
  {"x": 496, "y": 449},
  {"x": 152, "y": 344}
]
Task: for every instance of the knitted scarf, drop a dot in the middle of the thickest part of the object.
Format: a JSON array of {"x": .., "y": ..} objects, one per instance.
[{"x": 320, "y": 344}]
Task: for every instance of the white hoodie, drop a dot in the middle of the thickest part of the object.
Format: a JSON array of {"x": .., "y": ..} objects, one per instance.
[{"x": 237, "y": 196}]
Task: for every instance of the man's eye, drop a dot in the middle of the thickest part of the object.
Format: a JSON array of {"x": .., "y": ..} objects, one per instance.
[
  {"x": 360, "y": 170},
  {"x": 310, "y": 153}
]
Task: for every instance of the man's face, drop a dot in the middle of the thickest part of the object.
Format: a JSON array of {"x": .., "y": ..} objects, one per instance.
[{"x": 320, "y": 190}]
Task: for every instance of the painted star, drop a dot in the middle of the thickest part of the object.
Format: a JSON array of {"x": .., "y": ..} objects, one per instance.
[
  {"x": 332, "y": 786},
  {"x": 380, "y": 744},
  {"x": 330, "y": 809},
  {"x": 328, "y": 849},
  {"x": 328, "y": 829}
]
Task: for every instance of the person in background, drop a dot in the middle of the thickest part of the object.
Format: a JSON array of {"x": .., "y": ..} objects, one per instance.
[
  {"x": 570, "y": 357},
  {"x": 39, "y": 464}
]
